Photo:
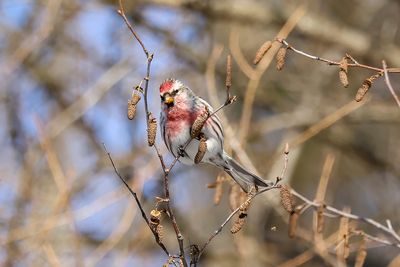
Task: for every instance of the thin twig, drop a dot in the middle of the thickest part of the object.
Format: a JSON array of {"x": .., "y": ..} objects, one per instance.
[
  {"x": 389, "y": 84},
  {"x": 137, "y": 201},
  {"x": 383, "y": 228},
  {"x": 121, "y": 12},
  {"x": 216, "y": 232},
  {"x": 332, "y": 62},
  {"x": 376, "y": 239}
]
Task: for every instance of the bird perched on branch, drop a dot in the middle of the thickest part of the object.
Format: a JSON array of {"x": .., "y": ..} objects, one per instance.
[{"x": 180, "y": 108}]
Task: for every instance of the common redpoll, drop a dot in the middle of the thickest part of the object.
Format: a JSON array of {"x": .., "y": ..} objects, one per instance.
[{"x": 179, "y": 109}]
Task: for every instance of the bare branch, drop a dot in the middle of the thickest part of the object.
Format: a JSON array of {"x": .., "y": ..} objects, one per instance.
[
  {"x": 383, "y": 228},
  {"x": 137, "y": 201},
  {"x": 332, "y": 62}
]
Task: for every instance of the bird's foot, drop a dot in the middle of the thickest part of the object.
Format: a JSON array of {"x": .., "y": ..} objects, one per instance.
[{"x": 181, "y": 151}]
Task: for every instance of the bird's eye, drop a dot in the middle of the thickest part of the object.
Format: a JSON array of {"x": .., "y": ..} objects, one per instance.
[{"x": 174, "y": 92}]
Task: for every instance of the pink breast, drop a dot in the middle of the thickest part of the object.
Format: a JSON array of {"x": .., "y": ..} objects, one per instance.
[{"x": 177, "y": 120}]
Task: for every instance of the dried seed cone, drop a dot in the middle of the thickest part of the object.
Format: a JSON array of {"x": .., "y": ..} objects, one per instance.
[
  {"x": 228, "y": 80},
  {"x": 286, "y": 198},
  {"x": 344, "y": 64},
  {"x": 199, "y": 123},
  {"x": 201, "y": 151},
  {"x": 280, "y": 58},
  {"x": 294, "y": 217},
  {"x": 151, "y": 130},
  {"x": 262, "y": 51},
  {"x": 343, "y": 78},
  {"x": 362, "y": 91},
  {"x": 244, "y": 207},
  {"x": 160, "y": 232},
  {"x": 135, "y": 98},
  {"x": 131, "y": 110},
  {"x": 244, "y": 204},
  {"x": 343, "y": 72},
  {"x": 238, "y": 225},
  {"x": 132, "y": 106}
]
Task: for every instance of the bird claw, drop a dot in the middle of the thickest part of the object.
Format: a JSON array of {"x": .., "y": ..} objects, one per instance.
[{"x": 181, "y": 151}]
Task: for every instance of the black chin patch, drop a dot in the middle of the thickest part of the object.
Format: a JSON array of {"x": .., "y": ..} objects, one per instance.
[{"x": 170, "y": 105}]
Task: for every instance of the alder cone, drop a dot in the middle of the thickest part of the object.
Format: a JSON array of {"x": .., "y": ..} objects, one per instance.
[{"x": 280, "y": 58}]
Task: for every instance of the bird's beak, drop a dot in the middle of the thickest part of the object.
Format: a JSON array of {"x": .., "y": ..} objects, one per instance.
[{"x": 169, "y": 100}]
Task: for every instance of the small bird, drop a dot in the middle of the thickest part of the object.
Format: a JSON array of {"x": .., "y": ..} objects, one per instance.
[{"x": 179, "y": 109}]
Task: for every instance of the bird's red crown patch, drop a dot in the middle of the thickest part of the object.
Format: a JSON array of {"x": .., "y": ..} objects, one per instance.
[{"x": 166, "y": 85}]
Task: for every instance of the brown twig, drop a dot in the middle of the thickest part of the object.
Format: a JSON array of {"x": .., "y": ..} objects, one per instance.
[
  {"x": 121, "y": 12},
  {"x": 216, "y": 232},
  {"x": 332, "y": 62},
  {"x": 137, "y": 201},
  {"x": 374, "y": 238},
  {"x": 333, "y": 211}
]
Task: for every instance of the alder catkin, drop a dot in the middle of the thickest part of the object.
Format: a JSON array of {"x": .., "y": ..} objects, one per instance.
[
  {"x": 248, "y": 198},
  {"x": 280, "y": 58},
  {"x": 343, "y": 72},
  {"x": 237, "y": 226},
  {"x": 362, "y": 91},
  {"x": 201, "y": 151},
  {"x": 286, "y": 198},
  {"x": 151, "y": 130},
  {"x": 244, "y": 207},
  {"x": 131, "y": 110},
  {"x": 366, "y": 85},
  {"x": 132, "y": 105},
  {"x": 262, "y": 51},
  {"x": 199, "y": 123},
  {"x": 160, "y": 232}
]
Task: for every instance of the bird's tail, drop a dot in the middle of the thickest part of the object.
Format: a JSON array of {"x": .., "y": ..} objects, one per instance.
[{"x": 243, "y": 177}]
